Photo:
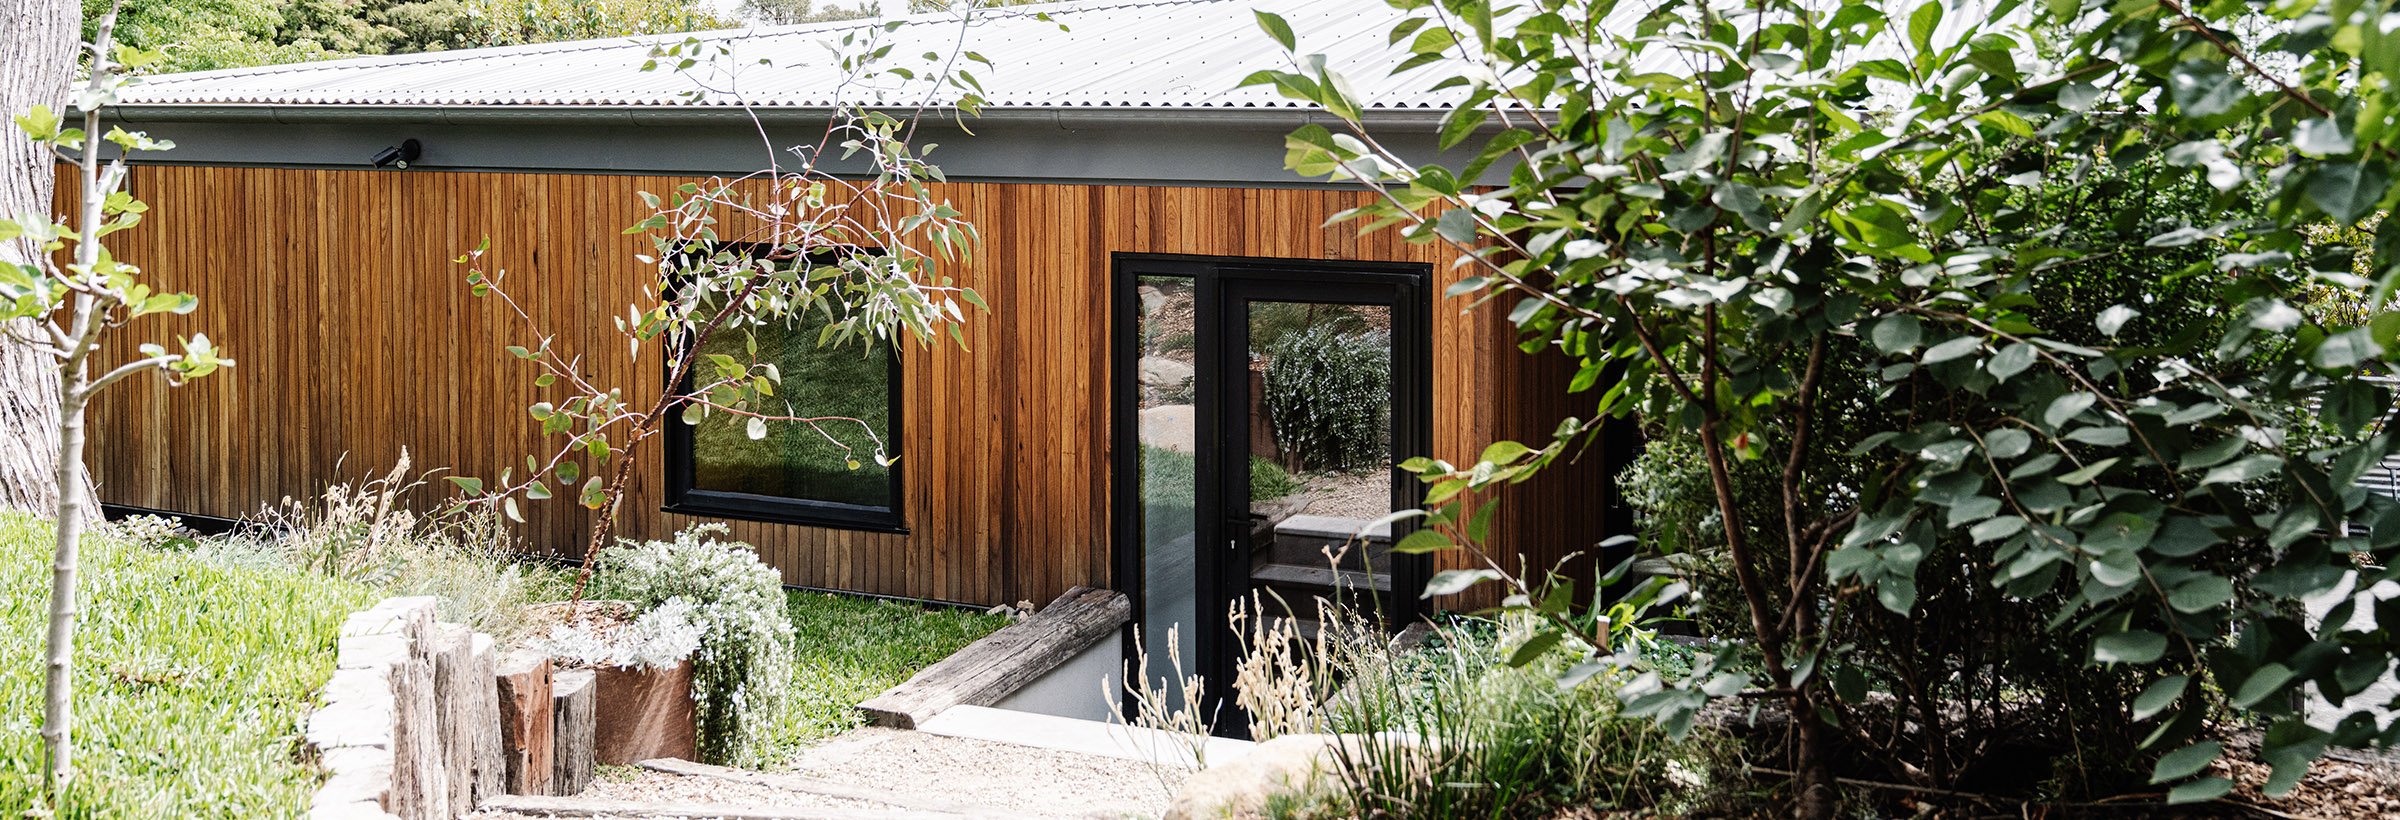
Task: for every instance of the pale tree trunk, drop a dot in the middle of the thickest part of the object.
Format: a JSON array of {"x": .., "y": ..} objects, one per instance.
[{"x": 37, "y": 63}]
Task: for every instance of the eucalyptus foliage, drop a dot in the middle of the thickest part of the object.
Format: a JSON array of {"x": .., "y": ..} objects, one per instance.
[
  {"x": 1707, "y": 205},
  {"x": 737, "y": 255}
]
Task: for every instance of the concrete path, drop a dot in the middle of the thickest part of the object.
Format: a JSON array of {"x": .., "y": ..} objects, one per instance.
[{"x": 879, "y": 774}]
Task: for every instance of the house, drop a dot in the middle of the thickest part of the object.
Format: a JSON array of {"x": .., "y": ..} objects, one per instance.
[{"x": 1134, "y": 209}]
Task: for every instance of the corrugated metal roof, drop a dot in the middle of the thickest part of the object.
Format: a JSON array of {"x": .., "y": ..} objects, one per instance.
[{"x": 1096, "y": 53}]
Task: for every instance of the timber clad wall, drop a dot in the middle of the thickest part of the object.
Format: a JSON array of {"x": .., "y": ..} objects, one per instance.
[{"x": 356, "y": 336}]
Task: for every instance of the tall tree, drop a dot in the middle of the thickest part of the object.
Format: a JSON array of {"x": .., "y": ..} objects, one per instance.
[{"x": 37, "y": 62}]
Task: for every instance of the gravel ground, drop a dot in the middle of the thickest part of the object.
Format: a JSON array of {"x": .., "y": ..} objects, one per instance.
[
  {"x": 1019, "y": 779},
  {"x": 1364, "y": 495}
]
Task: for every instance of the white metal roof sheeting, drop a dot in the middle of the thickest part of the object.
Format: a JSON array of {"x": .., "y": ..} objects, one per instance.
[{"x": 1110, "y": 53}]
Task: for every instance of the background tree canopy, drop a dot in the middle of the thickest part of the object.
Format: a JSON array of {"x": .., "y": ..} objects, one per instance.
[{"x": 200, "y": 35}]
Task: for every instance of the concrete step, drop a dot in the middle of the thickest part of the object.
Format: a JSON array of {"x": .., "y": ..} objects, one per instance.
[{"x": 1085, "y": 736}]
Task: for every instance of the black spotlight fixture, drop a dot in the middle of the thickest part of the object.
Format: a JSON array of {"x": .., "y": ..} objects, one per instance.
[{"x": 400, "y": 155}]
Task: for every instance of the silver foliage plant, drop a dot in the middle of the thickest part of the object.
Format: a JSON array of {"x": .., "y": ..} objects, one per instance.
[{"x": 742, "y": 667}]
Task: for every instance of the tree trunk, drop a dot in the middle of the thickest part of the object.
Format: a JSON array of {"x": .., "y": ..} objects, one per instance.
[{"x": 37, "y": 63}]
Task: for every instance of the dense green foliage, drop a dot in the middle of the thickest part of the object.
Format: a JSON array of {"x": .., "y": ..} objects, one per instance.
[
  {"x": 199, "y": 35},
  {"x": 743, "y": 669},
  {"x": 1329, "y": 396},
  {"x": 851, "y": 649},
  {"x": 198, "y": 672},
  {"x": 1911, "y": 263}
]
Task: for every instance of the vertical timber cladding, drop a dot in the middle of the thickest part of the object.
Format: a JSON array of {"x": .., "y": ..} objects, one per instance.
[{"x": 356, "y": 336}]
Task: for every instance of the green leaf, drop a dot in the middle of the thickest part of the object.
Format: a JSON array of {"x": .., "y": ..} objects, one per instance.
[
  {"x": 2347, "y": 191},
  {"x": 1456, "y": 225},
  {"x": 1277, "y": 28},
  {"x": 2345, "y": 350},
  {"x": 1952, "y": 349},
  {"x": 2268, "y": 680},
  {"x": 2011, "y": 360},
  {"x": 471, "y": 486},
  {"x": 2322, "y": 137},
  {"x": 1923, "y": 22},
  {"x": 2250, "y": 467},
  {"x": 2201, "y": 790},
  {"x": 1897, "y": 333},
  {"x": 2066, "y": 408},
  {"x": 1997, "y": 528},
  {"x": 2158, "y": 696},
  {"x": 2200, "y": 594},
  {"x": 2185, "y": 762},
  {"x": 2007, "y": 442},
  {"x": 1423, "y": 540},
  {"x": 2130, "y": 646},
  {"x": 1454, "y": 581},
  {"x": 2202, "y": 88},
  {"x": 1533, "y": 648}
]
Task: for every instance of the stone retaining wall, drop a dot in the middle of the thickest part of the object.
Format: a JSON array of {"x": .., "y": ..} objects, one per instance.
[{"x": 421, "y": 721}]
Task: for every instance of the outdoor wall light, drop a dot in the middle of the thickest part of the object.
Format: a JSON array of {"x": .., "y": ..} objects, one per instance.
[{"x": 401, "y": 155}]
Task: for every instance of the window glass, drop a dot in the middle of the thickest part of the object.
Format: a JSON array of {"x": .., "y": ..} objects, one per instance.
[{"x": 846, "y": 388}]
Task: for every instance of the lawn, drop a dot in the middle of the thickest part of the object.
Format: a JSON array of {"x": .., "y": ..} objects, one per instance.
[
  {"x": 852, "y": 649},
  {"x": 193, "y": 677}
]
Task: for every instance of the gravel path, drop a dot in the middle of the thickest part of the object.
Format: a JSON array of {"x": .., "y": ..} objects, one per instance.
[{"x": 1018, "y": 779}]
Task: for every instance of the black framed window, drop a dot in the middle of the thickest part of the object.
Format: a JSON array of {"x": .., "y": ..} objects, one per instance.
[{"x": 798, "y": 473}]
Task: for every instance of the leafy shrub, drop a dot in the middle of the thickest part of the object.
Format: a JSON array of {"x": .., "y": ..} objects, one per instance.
[
  {"x": 743, "y": 669},
  {"x": 1329, "y": 397},
  {"x": 1269, "y": 481}
]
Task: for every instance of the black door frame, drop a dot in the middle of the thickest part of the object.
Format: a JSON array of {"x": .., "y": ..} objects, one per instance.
[{"x": 1217, "y": 283}]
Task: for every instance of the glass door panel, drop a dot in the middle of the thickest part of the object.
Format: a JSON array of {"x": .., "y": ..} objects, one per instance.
[
  {"x": 1318, "y": 411},
  {"x": 1167, "y": 471}
]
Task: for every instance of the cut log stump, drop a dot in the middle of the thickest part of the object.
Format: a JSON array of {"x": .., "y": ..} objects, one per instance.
[
  {"x": 523, "y": 686},
  {"x": 574, "y": 702}
]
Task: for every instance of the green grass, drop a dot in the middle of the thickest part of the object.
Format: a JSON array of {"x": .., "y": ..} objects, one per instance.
[
  {"x": 193, "y": 678},
  {"x": 851, "y": 649}
]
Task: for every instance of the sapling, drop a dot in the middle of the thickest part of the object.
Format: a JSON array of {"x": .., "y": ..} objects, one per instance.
[{"x": 68, "y": 308}]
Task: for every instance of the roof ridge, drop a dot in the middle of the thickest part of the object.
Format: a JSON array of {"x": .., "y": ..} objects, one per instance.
[{"x": 629, "y": 40}]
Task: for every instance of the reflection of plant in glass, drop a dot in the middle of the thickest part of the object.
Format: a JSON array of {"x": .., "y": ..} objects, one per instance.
[{"x": 1329, "y": 395}]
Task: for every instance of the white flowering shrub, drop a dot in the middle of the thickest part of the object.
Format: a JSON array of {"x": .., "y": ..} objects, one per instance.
[
  {"x": 742, "y": 668},
  {"x": 661, "y": 637}
]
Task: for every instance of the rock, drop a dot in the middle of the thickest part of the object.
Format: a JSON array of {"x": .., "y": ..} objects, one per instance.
[
  {"x": 349, "y": 811},
  {"x": 1165, "y": 373},
  {"x": 522, "y": 683},
  {"x": 1284, "y": 765},
  {"x": 1153, "y": 299},
  {"x": 357, "y": 774},
  {"x": 649, "y": 715},
  {"x": 1169, "y": 428}
]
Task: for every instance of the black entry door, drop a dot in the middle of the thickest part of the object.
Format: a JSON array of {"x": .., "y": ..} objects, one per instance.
[{"x": 1262, "y": 406}]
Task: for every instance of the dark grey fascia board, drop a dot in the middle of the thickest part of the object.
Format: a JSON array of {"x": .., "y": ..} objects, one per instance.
[
  {"x": 1067, "y": 117},
  {"x": 1205, "y": 147}
]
